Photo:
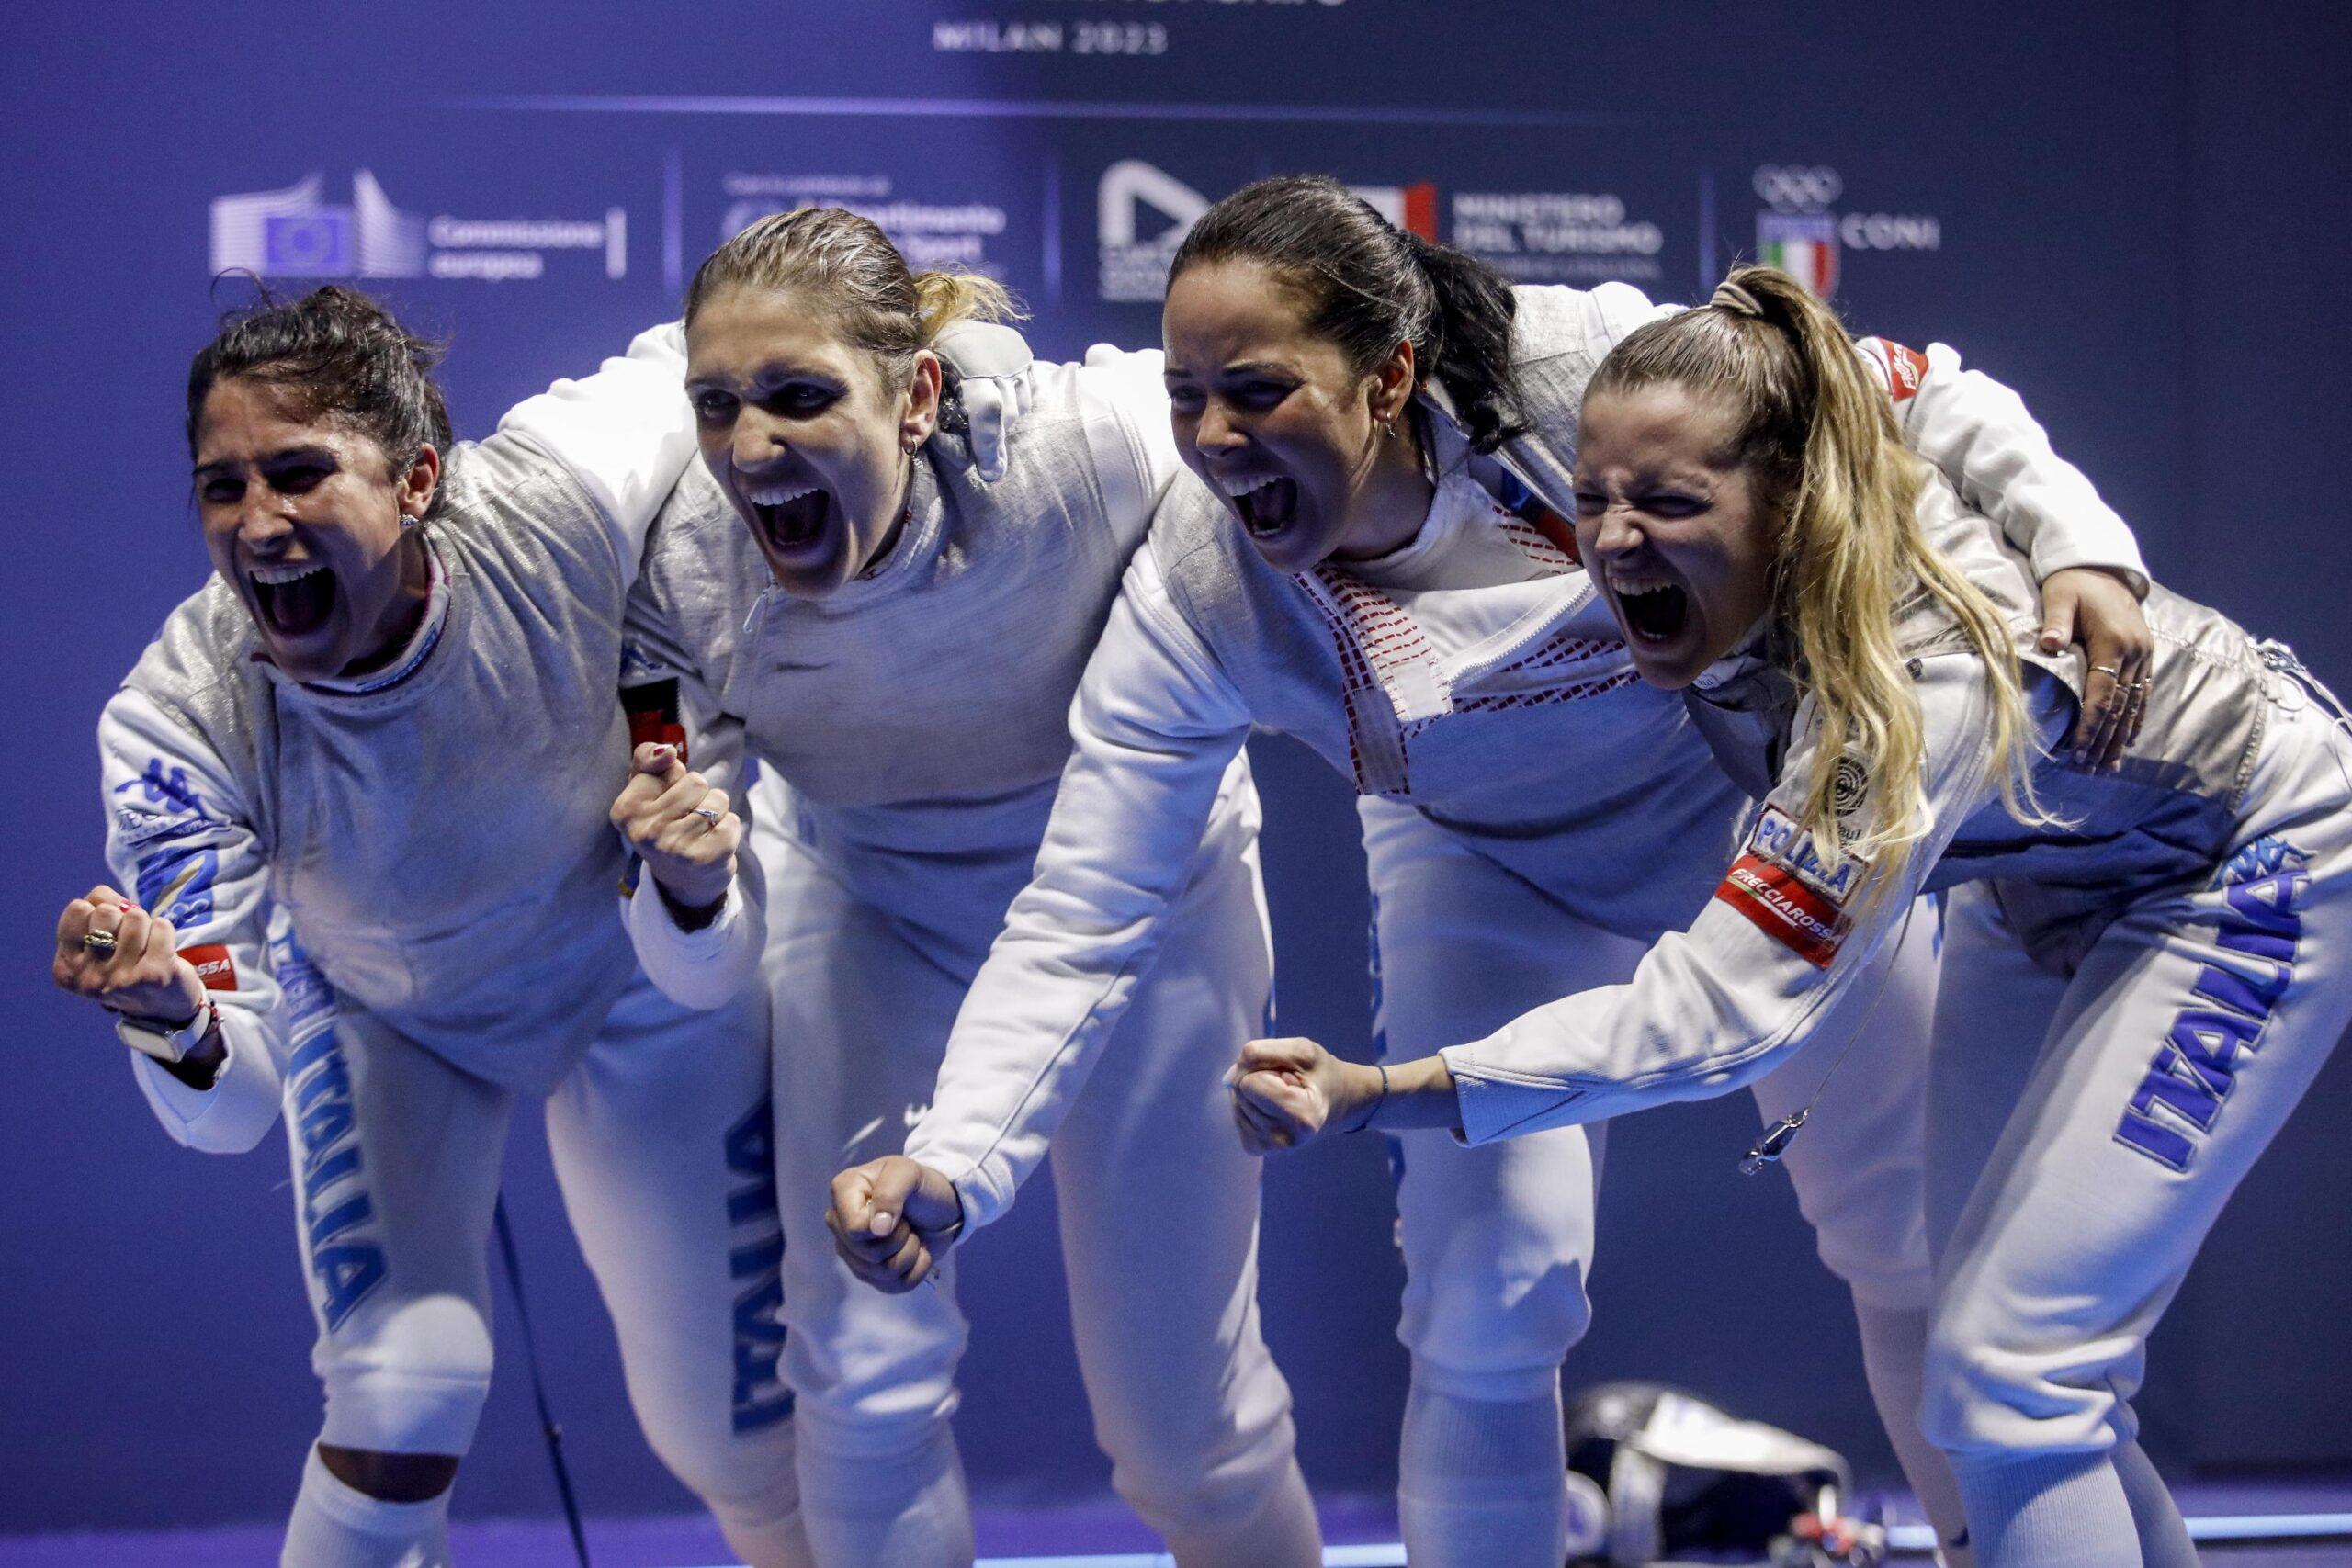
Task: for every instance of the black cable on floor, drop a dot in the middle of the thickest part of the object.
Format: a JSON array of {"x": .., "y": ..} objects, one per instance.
[{"x": 547, "y": 1423}]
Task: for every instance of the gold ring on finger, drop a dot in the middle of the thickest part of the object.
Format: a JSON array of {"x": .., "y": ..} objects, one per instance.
[
  {"x": 2109, "y": 671},
  {"x": 99, "y": 943}
]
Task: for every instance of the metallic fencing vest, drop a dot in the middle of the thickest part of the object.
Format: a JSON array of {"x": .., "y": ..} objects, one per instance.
[
  {"x": 443, "y": 846},
  {"x": 919, "y": 713}
]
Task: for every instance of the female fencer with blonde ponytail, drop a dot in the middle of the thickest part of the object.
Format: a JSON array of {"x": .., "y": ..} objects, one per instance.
[
  {"x": 2143, "y": 965},
  {"x": 841, "y": 594},
  {"x": 1369, "y": 554}
]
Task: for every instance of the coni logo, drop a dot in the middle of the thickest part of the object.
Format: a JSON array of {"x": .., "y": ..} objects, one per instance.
[{"x": 294, "y": 233}]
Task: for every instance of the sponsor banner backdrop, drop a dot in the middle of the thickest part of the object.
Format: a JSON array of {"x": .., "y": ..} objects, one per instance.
[{"x": 537, "y": 183}]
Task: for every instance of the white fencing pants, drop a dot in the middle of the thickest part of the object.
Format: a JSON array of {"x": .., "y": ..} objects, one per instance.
[
  {"x": 1159, "y": 1203},
  {"x": 661, "y": 1142},
  {"x": 2087, "y": 1129},
  {"x": 1497, "y": 1240}
]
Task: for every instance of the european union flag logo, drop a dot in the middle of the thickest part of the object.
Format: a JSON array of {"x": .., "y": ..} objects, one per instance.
[{"x": 310, "y": 245}]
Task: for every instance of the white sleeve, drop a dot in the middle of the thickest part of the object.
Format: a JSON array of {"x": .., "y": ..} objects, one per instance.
[
  {"x": 1714, "y": 1007},
  {"x": 626, "y": 433},
  {"x": 1155, "y": 724},
  {"x": 709, "y": 967},
  {"x": 1979, "y": 433},
  {"x": 665, "y": 695},
  {"x": 1614, "y": 310},
  {"x": 1134, "y": 385},
  {"x": 178, "y": 843}
]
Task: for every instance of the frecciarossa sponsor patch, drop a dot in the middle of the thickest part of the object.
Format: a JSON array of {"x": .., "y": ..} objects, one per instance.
[
  {"x": 213, "y": 966},
  {"x": 1780, "y": 884},
  {"x": 1905, "y": 369}
]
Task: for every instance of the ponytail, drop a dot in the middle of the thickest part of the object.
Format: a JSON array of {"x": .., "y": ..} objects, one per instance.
[
  {"x": 845, "y": 264},
  {"x": 944, "y": 299},
  {"x": 1469, "y": 349},
  {"x": 1822, "y": 436},
  {"x": 1370, "y": 286}
]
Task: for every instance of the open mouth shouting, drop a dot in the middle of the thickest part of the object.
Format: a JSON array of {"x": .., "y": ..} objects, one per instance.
[
  {"x": 1266, "y": 503},
  {"x": 1655, "y": 611},
  {"x": 790, "y": 515},
  {"x": 295, "y": 598}
]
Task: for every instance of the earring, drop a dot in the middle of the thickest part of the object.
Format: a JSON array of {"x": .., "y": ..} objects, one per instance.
[{"x": 409, "y": 522}]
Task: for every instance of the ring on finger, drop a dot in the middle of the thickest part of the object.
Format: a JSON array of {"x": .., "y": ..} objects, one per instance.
[
  {"x": 2109, "y": 671},
  {"x": 99, "y": 943},
  {"x": 706, "y": 814}
]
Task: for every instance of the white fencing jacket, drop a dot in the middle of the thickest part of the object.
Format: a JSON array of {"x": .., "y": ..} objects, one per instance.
[
  {"x": 918, "y": 715},
  {"x": 1717, "y": 1006},
  {"x": 1474, "y": 673},
  {"x": 438, "y": 845}
]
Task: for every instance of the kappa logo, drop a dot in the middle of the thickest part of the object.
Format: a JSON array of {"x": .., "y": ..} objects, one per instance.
[
  {"x": 1783, "y": 887},
  {"x": 1133, "y": 269},
  {"x": 160, "y": 785}
]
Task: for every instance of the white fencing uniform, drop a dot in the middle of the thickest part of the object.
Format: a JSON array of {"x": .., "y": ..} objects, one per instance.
[
  {"x": 2135, "y": 997},
  {"x": 1473, "y": 685},
  {"x": 401, "y": 893},
  {"x": 917, "y": 717}
]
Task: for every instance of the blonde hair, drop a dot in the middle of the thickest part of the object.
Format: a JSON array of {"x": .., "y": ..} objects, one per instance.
[
  {"x": 845, "y": 264},
  {"x": 1850, "y": 554}
]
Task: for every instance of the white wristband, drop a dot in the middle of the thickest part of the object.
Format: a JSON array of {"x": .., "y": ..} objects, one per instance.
[{"x": 169, "y": 1047}]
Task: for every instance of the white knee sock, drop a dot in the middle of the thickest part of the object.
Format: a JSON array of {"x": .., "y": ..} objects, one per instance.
[
  {"x": 2164, "y": 1534},
  {"x": 1283, "y": 1533},
  {"x": 2048, "y": 1511},
  {"x": 907, "y": 1507},
  {"x": 1895, "y": 1350},
  {"x": 1483, "y": 1482},
  {"x": 336, "y": 1526}
]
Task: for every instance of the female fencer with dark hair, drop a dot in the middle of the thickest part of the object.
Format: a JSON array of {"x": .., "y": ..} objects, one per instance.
[
  {"x": 2142, "y": 965},
  {"x": 356, "y": 791},
  {"x": 1370, "y": 557},
  {"x": 844, "y": 596}
]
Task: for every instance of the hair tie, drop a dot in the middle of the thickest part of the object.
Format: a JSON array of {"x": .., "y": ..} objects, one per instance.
[{"x": 1737, "y": 300}]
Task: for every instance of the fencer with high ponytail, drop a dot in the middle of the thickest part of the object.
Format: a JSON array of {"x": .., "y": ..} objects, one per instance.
[
  {"x": 1821, "y": 436},
  {"x": 1370, "y": 286},
  {"x": 845, "y": 264}
]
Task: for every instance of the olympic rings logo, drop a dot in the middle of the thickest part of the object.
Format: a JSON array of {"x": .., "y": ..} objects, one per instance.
[{"x": 1792, "y": 188}]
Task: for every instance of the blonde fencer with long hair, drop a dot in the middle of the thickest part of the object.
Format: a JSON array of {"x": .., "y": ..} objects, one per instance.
[{"x": 2143, "y": 964}]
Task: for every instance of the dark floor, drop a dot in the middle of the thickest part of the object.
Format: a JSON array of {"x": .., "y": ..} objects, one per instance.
[{"x": 1362, "y": 1535}]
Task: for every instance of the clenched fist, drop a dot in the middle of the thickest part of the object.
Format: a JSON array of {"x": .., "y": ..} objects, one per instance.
[
  {"x": 119, "y": 956},
  {"x": 893, "y": 1220},
  {"x": 1287, "y": 1093},
  {"x": 679, "y": 825}
]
